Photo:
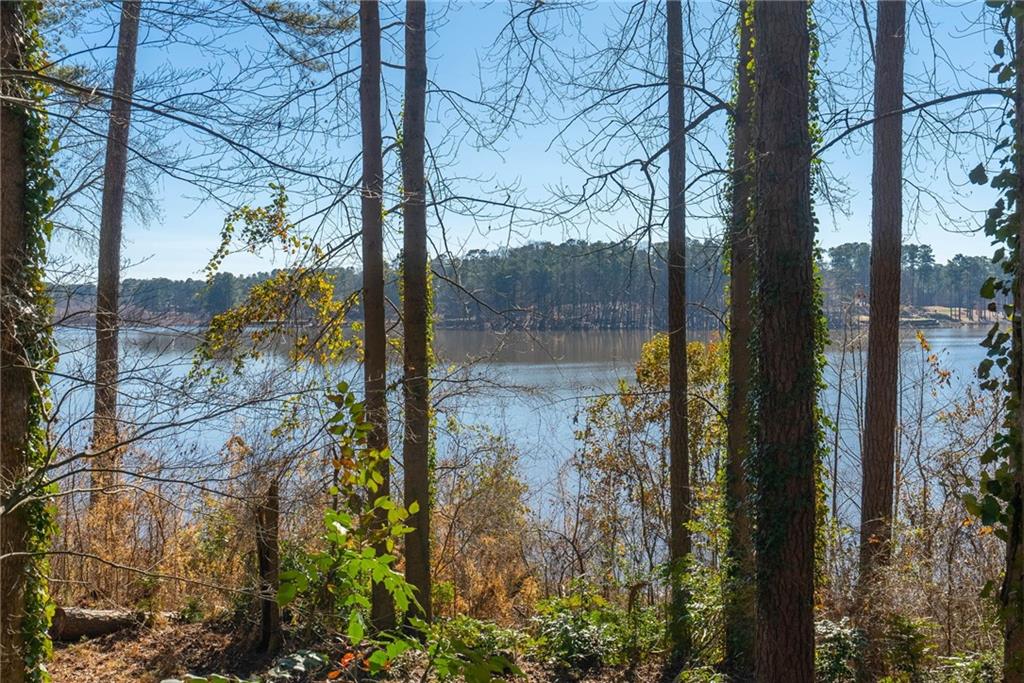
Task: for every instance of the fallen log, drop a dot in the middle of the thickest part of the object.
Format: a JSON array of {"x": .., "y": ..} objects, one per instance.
[{"x": 74, "y": 623}]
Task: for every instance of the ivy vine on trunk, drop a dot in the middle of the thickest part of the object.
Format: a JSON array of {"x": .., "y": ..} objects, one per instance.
[
  {"x": 998, "y": 501},
  {"x": 27, "y": 354}
]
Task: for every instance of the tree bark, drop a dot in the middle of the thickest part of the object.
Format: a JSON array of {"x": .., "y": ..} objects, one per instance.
[
  {"x": 679, "y": 461},
  {"x": 1012, "y": 592},
  {"x": 740, "y": 606},
  {"x": 375, "y": 341},
  {"x": 15, "y": 369},
  {"x": 879, "y": 441},
  {"x": 415, "y": 305},
  {"x": 786, "y": 358},
  {"x": 73, "y": 623},
  {"x": 105, "y": 429},
  {"x": 269, "y": 559}
]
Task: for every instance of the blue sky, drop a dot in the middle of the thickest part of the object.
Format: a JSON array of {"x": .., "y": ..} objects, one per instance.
[{"x": 463, "y": 39}]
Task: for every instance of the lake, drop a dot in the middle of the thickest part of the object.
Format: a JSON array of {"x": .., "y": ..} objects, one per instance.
[{"x": 526, "y": 387}]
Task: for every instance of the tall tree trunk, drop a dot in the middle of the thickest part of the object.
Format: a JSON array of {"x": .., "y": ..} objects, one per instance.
[
  {"x": 15, "y": 370},
  {"x": 115, "y": 169},
  {"x": 879, "y": 442},
  {"x": 679, "y": 465},
  {"x": 786, "y": 446},
  {"x": 415, "y": 305},
  {"x": 1012, "y": 593},
  {"x": 740, "y": 606},
  {"x": 375, "y": 368}
]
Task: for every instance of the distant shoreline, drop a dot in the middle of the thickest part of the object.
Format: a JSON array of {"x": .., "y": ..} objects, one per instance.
[{"x": 84, "y": 320}]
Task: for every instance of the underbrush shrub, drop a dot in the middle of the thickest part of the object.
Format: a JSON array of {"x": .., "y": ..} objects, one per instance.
[
  {"x": 192, "y": 612},
  {"x": 110, "y": 550},
  {"x": 971, "y": 667},
  {"x": 584, "y": 631},
  {"x": 298, "y": 667},
  {"x": 569, "y": 640},
  {"x": 150, "y": 529},
  {"x": 909, "y": 649},
  {"x": 473, "y": 651},
  {"x": 707, "y": 613},
  {"x": 702, "y": 674},
  {"x": 909, "y": 654},
  {"x": 484, "y": 636},
  {"x": 838, "y": 651},
  {"x": 480, "y": 560}
]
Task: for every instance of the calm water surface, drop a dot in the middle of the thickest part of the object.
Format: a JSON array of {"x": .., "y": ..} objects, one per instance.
[
  {"x": 527, "y": 387},
  {"x": 560, "y": 371}
]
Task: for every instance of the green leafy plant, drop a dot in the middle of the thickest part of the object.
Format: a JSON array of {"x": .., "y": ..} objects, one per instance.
[
  {"x": 482, "y": 635},
  {"x": 838, "y": 652},
  {"x": 331, "y": 583},
  {"x": 192, "y": 612},
  {"x": 469, "y": 652},
  {"x": 298, "y": 666},
  {"x": 706, "y": 586},
  {"x": 993, "y": 502},
  {"x": 909, "y": 649},
  {"x": 568, "y": 634},
  {"x": 583, "y": 631},
  {"x": 334, "y": 580},
  {"x": 983, "y": 667},
  {"x": 703, "y": 674}
]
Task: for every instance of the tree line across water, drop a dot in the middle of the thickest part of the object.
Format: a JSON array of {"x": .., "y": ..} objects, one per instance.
[{"x": 583, "y": 285}]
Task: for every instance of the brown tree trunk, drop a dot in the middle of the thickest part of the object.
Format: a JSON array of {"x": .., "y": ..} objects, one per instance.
[
  {"x": 269, "y": 559},
  {"x": 15, "y": 370},
  {"x": 879, "y": 442},
  {"x": 71, "y": 624},
  {"x": 786, "y": 359},
  {"x": 375, "y": 368},
  {"x": 679, "y": 461},
  {"x": 416, "y": 443},
  {"x": 1012, "y": 593},
  {"x": 105, "y": 431},
  {"x": 740, "y": 606}
]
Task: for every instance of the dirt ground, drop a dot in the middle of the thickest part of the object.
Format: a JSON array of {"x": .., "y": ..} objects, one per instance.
[
  {"x": 151, "y": 654},
  {"x": 171, "y": 650}
]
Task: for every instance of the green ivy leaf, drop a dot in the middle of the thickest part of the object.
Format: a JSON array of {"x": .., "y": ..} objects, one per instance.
[
  {"x": 355, "y": 628},
  {"x": 990, "y": 510},
  {"x": 978, "y": 176}
]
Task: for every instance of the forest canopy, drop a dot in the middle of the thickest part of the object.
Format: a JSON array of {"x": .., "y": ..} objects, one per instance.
[{"x": 577, "y": 285}]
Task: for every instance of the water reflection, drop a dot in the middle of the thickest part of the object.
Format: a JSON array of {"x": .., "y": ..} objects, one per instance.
[{"x": 528, "y": 387}]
